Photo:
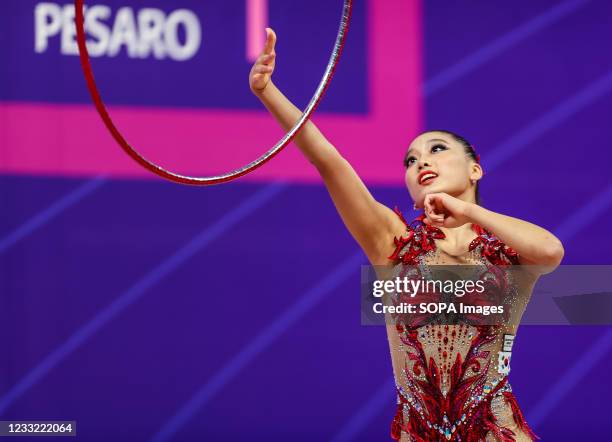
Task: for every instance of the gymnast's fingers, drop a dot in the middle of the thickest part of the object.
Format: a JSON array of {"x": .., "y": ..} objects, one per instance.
[
  {"x": 428, "y": 205},
  {"x": 267, "y": 59},
  {"x": 262, "y": 69},
  {"x": 430, "y": 210},
  {"x": 270, "y": 41}
]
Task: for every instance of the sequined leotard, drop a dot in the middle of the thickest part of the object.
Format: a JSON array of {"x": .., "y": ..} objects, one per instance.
[{"x": 452, "y": 380}]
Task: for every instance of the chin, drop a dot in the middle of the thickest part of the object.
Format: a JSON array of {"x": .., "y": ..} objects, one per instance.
[{"x": 434, "y": 188}]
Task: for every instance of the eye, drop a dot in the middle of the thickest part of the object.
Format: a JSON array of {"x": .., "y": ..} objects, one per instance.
[
  {"x": 438, "y": 148},
  {"x": 408, "y": 161}
]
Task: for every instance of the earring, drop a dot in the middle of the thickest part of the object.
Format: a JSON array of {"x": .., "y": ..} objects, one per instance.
[{"x": 414, "y": 206}]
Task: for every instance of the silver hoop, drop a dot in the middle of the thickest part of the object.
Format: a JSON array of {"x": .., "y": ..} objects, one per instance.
[{"x": 217, "y": 179}]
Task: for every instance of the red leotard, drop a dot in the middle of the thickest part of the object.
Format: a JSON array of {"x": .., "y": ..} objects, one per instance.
[{"x": 452, "y": 380}]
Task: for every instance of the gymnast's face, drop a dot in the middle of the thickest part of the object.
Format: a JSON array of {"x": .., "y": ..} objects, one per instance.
[{"x": 435, "y": 162}]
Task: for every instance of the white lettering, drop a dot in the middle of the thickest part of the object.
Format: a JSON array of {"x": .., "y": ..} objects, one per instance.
[
  {"x": 151, "y": 25},
  {"x": 95, "y": 27},
  {"x": 192, "y": 33},
  {"x": 69, "y": 44},
  {"x": 47, "y": 22},
  {"x": 124, "y": 33},
  {"x": 142, "y": 33}
]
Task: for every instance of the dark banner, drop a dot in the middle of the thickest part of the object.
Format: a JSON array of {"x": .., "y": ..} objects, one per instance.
[{"x": 443, "y": 294}]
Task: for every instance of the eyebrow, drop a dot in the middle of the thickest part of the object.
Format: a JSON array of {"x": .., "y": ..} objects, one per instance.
[
  {"x": 434, "y": 139},
  {"x": 438, "y": 139}
]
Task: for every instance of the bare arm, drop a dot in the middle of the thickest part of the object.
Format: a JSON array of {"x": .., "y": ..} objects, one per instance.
[
  {"x": 535, "y": 245},
  {"x": 538, "y": 248},
  {"x": 372, "y": 224}
]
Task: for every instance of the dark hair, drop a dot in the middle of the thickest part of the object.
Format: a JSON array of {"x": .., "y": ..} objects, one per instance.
[{"x": 469, "y": 150}]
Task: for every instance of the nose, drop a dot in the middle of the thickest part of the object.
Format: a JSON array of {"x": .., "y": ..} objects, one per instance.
[{"x": 423, "y": 162}]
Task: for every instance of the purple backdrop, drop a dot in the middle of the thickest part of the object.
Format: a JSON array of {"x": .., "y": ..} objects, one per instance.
[{"x": 150, "y": 311}]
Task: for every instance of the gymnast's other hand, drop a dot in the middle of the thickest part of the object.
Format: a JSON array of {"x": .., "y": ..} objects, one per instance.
[
  {"x": 443, "y": 210},
  {"x": 261, "y": 72}
]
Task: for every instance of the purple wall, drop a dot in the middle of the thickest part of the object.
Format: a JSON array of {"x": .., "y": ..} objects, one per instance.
[{"x": 150, "y": 311}]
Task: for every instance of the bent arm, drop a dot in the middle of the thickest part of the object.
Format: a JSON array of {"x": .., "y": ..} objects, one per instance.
[
  {"x": 371, "y": 223},
  {"x": 535, "y": 245}
]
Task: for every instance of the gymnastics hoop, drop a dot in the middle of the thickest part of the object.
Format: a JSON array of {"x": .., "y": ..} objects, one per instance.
[{"x": 216, "y": 179}]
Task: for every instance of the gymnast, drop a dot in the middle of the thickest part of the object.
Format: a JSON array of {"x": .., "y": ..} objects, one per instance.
[{"x": 451, "y": 380}]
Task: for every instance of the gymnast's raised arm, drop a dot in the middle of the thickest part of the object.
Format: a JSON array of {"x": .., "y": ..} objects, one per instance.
[{"x": 372, "y": 224}]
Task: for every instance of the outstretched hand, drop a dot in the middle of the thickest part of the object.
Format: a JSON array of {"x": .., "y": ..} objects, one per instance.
[
  {"x": 261, "y": 72},
  {"x": 443, "y": 210}
]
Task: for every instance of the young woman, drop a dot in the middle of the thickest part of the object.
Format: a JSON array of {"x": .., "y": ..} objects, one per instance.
[{"x": 451, "y": 380}]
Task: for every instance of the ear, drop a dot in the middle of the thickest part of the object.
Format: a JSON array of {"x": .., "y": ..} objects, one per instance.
[{"x": 476, "y": 171}]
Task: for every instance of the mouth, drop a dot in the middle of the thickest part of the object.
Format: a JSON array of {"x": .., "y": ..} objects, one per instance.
[{"x": 426, "y": 177}]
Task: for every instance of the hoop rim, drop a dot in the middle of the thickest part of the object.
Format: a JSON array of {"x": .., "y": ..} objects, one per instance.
[{"x": 233, "y": 174}]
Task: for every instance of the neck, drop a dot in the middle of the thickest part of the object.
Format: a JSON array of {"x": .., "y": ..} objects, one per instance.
[{"x": 457, "y": 235}]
